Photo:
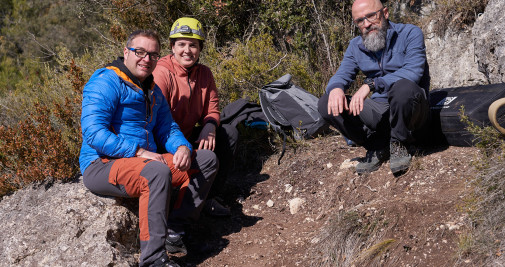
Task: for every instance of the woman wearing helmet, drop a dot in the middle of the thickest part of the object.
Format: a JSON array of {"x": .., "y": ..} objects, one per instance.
[{"x": 190, "y": 90}]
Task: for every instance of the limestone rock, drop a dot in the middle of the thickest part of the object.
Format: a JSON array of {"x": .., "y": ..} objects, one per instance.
[
  {"x": 489, "y": 41},
  {"x": 470, "y": 57},
  {"x": 63, "y": 224},
  {"x": 348, "y": 164},
  {"x": 452, "y": 60},
  {"x": 295, "y": 204}
]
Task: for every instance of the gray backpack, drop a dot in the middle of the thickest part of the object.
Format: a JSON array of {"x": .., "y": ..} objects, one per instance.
[{"x": 288, "y": 107}]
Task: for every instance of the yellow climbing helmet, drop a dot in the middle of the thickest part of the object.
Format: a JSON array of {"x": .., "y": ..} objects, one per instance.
[{"x": 187, "y": 28}]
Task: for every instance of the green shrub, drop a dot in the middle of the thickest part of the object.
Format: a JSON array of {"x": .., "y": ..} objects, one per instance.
[
  {"x": 485, "y": 205},
  {"x": 241, "y": 69}
]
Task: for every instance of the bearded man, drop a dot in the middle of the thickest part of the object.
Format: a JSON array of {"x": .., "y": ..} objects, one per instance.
[{"x": 392, "y": 56}]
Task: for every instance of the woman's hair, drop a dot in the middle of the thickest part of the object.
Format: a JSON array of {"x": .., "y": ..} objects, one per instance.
[{"x": 172, "y": 42}]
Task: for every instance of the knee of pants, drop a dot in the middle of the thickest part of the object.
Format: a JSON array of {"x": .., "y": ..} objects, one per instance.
[
  {"x": 158, "y": 175},
  {"x": 403, "y": 92},
  {"x": 228, "y": 134},
  {"x": 207, "y": 162},
  {"x": 322, "y": 106}
]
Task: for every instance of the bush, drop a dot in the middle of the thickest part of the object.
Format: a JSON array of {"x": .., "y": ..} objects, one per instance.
[
  {"x": 455, "y": 14},
  {"x": 485, "y": 239},
  {"x": 243, "y": 68},
  {"x": 45, "y": 144}
]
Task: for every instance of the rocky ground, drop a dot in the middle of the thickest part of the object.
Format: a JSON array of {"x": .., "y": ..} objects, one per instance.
[
  {"x": 311, "y": 210},
  {"x": 293, "y": 214}
]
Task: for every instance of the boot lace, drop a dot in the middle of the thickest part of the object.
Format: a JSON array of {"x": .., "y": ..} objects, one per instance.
[{"x": 398, "y": 150}]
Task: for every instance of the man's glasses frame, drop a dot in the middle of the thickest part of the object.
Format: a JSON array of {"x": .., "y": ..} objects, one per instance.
[
  {"x": 142, "y": 53},
  {"x": 371, "y": 17}
]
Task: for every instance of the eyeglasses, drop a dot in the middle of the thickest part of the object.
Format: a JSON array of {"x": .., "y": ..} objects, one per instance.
[
  {"x": 371, "y": 17},
  {"x": 142, "y": 54}
]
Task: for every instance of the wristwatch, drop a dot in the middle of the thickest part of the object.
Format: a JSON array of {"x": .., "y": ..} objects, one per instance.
[{"x": 370, "y": 83}]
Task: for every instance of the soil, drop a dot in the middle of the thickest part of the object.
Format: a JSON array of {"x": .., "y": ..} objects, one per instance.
[{"x": 420, "y": 213}]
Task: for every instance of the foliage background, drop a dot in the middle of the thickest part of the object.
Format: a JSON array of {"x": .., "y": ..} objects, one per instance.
[{"x": 49, "y": 49}]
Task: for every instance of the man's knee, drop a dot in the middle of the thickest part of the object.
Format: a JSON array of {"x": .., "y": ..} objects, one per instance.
[
  {"x": 157, "y": 174},
  {"x": 322, "y": 106},
  {"x": 229, "y": 134},
  {"x": 403, "y": 89},
  {"x": 207, "y": 162}
]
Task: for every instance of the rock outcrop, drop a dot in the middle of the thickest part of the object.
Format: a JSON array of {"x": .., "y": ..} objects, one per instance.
[
  {"x": 470, "y": 57},
  {"x": 452, "y": 60},
  {"x": 489, "y": 41},
  {"x": 63, "y": 224}
]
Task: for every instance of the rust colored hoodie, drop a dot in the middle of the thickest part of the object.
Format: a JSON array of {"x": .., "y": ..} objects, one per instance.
[{"x": 191, "y": 93}]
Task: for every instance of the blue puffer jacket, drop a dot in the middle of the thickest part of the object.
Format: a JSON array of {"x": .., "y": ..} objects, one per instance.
[
  {"x": 118, "y": 118},
  {"x": 404, "y": 57}
]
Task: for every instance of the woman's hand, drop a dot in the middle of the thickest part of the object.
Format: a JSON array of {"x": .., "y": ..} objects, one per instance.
[{"x": 207, "y": 138}]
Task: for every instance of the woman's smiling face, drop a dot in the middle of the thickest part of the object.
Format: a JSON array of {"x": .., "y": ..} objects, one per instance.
[{"x": 186, "y": 51}]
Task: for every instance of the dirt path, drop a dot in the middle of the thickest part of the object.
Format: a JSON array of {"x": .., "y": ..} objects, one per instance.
[{"x": 410, "y": 220}]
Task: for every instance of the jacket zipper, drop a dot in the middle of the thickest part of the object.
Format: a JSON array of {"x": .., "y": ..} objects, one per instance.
[
  {"x": 148, "y": 114},
  {"x": 189, "y": 84}
]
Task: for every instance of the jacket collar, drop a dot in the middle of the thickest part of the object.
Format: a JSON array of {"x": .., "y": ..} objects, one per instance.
[
  {"x": 119, "y": 65},
  {"x": 173, "y": 66}
]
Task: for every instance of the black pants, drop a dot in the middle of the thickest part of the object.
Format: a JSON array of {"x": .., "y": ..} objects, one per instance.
[
  {"x": 226, "y": 145},
  {"x": 406, "y": 111}
]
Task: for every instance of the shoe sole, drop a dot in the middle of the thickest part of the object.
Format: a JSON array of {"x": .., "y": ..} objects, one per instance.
[
  {"x": 364, "y": 171},
  {"x": 175, "y": 249},
  {"x": 401, "y": 168}
]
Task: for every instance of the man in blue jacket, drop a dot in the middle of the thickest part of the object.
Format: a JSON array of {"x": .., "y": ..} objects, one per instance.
[
  {"x": 125, "y": 117},
  {"x": 393, "y": 59}
]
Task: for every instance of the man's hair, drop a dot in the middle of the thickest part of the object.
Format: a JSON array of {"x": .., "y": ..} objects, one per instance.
[{"x": 145, "y": 33}]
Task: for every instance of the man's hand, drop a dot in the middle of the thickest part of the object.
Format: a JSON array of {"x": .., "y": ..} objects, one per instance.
[
  {"x": 356, "y": 104},
  {"x": 150, "y": 155},
  {"x": 337, "y": 102},
  {"x": 182, "y": 158},
  {"x": 207, "y": 138}
]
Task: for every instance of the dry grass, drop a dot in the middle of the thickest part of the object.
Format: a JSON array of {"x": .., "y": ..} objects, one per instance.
[
  {"x": 351, "y": 240},
  {"x": 455, "y": 14}
]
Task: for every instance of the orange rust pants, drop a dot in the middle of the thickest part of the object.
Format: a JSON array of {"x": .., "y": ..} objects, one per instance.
[{"x": 152, "y": 182}]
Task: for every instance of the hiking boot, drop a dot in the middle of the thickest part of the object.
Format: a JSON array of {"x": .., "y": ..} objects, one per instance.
[
  {"x": 213, "y": 207},
  {"x": 372, "y": 161},
  {"x": 174, "y": 244},
  {"x": 164, "y": 261},
  {"x": 400, "y": 157}
]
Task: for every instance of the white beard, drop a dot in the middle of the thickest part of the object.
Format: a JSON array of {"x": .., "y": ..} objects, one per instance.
[{"x": 376, "y": 41}]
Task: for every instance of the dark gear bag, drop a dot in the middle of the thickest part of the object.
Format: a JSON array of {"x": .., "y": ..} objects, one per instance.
[
  {"x": 288, "y": 107},
  {"x": 446, "y": 103}
]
